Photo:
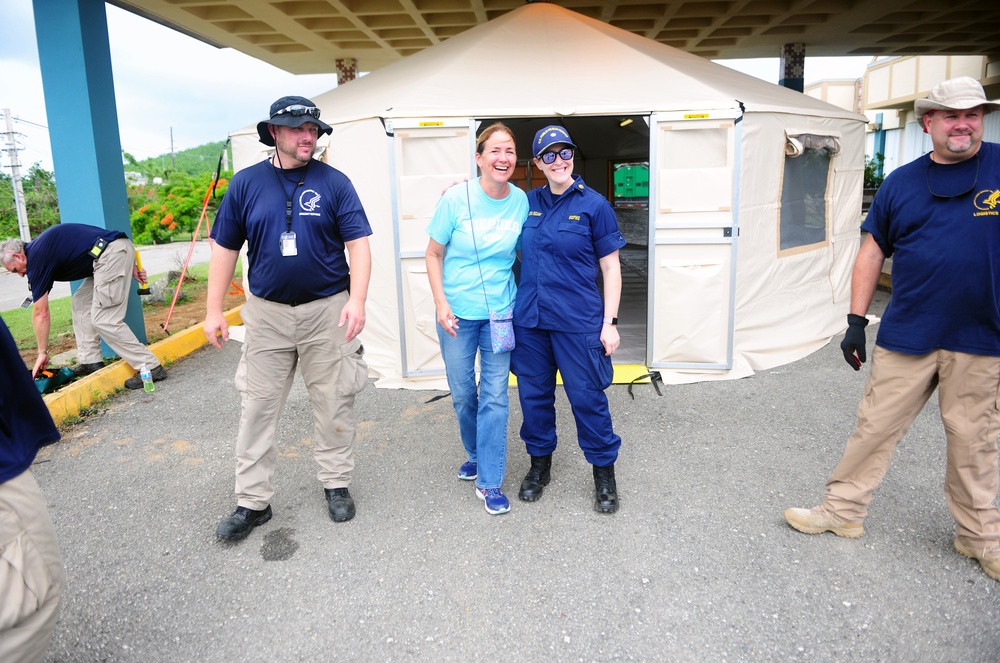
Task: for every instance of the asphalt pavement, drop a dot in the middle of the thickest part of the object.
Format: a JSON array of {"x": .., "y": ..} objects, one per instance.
[
  {"x": 698, "y": 565},
  {"x": 156, "y": 259}
]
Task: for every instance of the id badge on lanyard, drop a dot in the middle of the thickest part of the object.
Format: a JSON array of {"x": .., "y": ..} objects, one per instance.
[{"x": 288, "y": 247}]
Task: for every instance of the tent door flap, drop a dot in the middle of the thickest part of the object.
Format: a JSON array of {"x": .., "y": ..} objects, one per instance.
[
  {"x": 425, "y": 157},
  {"x": 693, "y": 239}
]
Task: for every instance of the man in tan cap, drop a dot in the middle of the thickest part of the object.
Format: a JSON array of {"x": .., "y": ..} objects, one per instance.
[{"x": 938, "y": 217}]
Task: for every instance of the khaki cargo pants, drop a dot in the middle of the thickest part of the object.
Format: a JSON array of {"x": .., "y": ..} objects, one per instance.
[
  {"x": 898, "y": 388},
  {"x": 279, "y": 337},
  {"x": 31, "y": 571},
  {"x": 99, "y": 307}
]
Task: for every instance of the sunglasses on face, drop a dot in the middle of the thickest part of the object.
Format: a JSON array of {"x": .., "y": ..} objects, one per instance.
[
  {"x": 565, "y": 154},
  {"x": 296, "y": 111}
]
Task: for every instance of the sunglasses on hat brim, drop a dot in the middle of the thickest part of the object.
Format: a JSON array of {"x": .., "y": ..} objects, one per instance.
[{"x": 298, "y": 110}]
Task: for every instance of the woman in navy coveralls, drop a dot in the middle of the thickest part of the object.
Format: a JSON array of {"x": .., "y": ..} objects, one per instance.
[{"x": 561, "y": 321}]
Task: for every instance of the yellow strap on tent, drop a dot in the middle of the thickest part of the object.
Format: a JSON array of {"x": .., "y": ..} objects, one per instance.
[{"x": 624, "y": 374}]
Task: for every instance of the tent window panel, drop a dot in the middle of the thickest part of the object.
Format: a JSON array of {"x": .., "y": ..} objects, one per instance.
[
  {"x": 427, "y": 164},
  {"x": 695, "y": 190},
  {"x": 435, "y": 154},
  {"x": 681, "y": 149},
  {"x": 803, "y": 218}
]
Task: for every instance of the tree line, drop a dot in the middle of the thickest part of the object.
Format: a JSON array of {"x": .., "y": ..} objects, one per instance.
[{"x": 165, "y": 201}]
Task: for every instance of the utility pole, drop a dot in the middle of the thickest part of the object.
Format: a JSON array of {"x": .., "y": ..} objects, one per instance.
[
  {"x": 15, "y": 169},
  {"x": 172, "y": 164}
]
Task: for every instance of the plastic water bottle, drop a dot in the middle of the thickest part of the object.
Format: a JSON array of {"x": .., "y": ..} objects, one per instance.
[{"x": 147, "y": 378}]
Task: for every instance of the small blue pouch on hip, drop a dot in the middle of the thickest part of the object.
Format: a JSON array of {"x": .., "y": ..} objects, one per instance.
[{"x": 502, "y": 330}]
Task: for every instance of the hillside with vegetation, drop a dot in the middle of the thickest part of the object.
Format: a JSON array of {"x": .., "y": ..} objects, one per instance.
[
  {"x": 165, "y": 201},
  {"x": 192, "y": 162}
]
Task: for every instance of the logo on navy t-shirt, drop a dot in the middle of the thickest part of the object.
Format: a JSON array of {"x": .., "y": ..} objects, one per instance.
[
  {"x": 309, "y": 203},
  {"x": 987, "y": 201}
]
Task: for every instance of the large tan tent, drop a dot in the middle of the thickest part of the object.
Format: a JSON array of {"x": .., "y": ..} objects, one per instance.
[{"x": 740, "y": 245}]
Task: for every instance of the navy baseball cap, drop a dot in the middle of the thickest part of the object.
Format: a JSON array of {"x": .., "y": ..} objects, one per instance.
[
  {"x": 549, "y": 136},
  {"x": 291, "y": 112}
]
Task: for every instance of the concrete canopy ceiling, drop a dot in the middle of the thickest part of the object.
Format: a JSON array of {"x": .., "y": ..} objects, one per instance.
[{"x": 308, "y": 36}]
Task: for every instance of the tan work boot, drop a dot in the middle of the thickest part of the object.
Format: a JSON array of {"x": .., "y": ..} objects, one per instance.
[
  {"x": 989, "y": 558},
  {"x": 817, "y": 520}
]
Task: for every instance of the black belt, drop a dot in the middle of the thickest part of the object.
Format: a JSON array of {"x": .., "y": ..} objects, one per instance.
[
  {"x": 298, "y": 302},
  {"x": 308, "y": 299}
]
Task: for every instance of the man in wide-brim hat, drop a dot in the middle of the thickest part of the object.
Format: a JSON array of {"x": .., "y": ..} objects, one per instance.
[
  {"x": 290, "y": 112},
  {"x": 939, "y": 219},
  {"x": 298, "y": 218}
]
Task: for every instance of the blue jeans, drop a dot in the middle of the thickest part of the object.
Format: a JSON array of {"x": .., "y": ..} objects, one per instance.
[{"x": 482, "y": 416}]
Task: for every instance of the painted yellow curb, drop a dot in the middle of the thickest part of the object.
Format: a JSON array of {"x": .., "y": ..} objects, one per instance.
[{"x": 82, "y": 393}]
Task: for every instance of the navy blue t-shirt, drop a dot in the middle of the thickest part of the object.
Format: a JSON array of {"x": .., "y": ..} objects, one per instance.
[
  {"x": 62, "y": 253},
  {"x": 945, "y": 254},
  {"x": 25, "y": 423},
  {"x": 562, "y": 242},
  {"x": 326, "y": 213}
]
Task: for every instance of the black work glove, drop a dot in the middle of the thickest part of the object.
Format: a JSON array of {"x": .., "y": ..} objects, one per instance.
[{"x": 853, "y": 344}]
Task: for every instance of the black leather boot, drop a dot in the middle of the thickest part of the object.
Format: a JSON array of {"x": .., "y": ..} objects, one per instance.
[
  {"x": 340, "y": 503},
  {"x": 239, "y": 523},
  {"x": 536, "y": 479},
  {"x": 607, "y": 489}
]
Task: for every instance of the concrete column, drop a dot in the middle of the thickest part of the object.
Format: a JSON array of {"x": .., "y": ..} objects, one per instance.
[
  {"x": 347, "y": 70},
  {"x": 75, "y": 60},
  {"x": 793, "y": 67}
]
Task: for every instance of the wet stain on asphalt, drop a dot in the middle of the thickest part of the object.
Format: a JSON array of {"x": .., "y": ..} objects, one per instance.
[{"x": 279, "y": 545}]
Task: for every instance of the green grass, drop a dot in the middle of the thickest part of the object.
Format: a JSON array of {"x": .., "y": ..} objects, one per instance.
[
  {"x": 19, "y": 322},
  {"x": 61, "y": 316}
]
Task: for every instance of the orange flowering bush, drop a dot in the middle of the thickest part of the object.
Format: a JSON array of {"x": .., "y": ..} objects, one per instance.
[{"x": 159, "y": 213}]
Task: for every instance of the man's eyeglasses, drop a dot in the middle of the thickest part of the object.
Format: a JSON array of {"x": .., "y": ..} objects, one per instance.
[
  {"x": 297, "y": 110},
  {"x": 565, "y": 154}
]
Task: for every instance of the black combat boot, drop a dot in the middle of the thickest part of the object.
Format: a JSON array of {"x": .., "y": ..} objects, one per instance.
[
  {"x": 607, "y": 490},
  {"x": 536, "y": 479}
]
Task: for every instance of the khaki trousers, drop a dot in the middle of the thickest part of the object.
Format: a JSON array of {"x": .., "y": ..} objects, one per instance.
[
  {"x": 99, "y": 307},
  {"x": 278, "y": 337},
  {"x": 897, "y": 389},
  {"x": 31, "y": 572}
]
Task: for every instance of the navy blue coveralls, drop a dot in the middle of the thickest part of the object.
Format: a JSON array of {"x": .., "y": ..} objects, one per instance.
[{"x": 558, "y": 318}]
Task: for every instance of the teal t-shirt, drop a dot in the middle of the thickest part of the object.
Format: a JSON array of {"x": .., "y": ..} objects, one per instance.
[{"x": 487, "y": 241}]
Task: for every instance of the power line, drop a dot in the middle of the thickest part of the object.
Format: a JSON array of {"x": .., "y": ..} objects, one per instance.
[
  {"x": 34, "y": 124},
  {"x": 23, "y": 121}
]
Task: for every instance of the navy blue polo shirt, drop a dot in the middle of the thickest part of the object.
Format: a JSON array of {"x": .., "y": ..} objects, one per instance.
[
  {"x": 326, "y": 214},
  {"x": 945, "y": 251},
  {"x": 25, "y": 423},
  {"x": 62, "y": 253},
  {"x": 562, "y": 241}
]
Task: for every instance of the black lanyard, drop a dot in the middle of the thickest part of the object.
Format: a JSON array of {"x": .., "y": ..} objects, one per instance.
[{"x": 288, "y": 201}]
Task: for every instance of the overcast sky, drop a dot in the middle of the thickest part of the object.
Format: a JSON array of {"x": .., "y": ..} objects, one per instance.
[{"x": 165, "y": 80}]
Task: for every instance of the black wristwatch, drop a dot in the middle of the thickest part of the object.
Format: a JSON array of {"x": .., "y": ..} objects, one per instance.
[{"x": 611, "y": 321}]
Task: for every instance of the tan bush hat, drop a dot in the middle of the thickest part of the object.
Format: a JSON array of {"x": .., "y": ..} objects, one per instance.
[{"x": 960, "y": 93}]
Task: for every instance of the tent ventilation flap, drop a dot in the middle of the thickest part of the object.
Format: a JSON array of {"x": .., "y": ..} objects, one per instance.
[{"x": 798, "y": 142}]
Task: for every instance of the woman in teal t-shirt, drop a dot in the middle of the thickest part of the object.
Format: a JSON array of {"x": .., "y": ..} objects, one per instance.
[{"x": 473, "y": 239}]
